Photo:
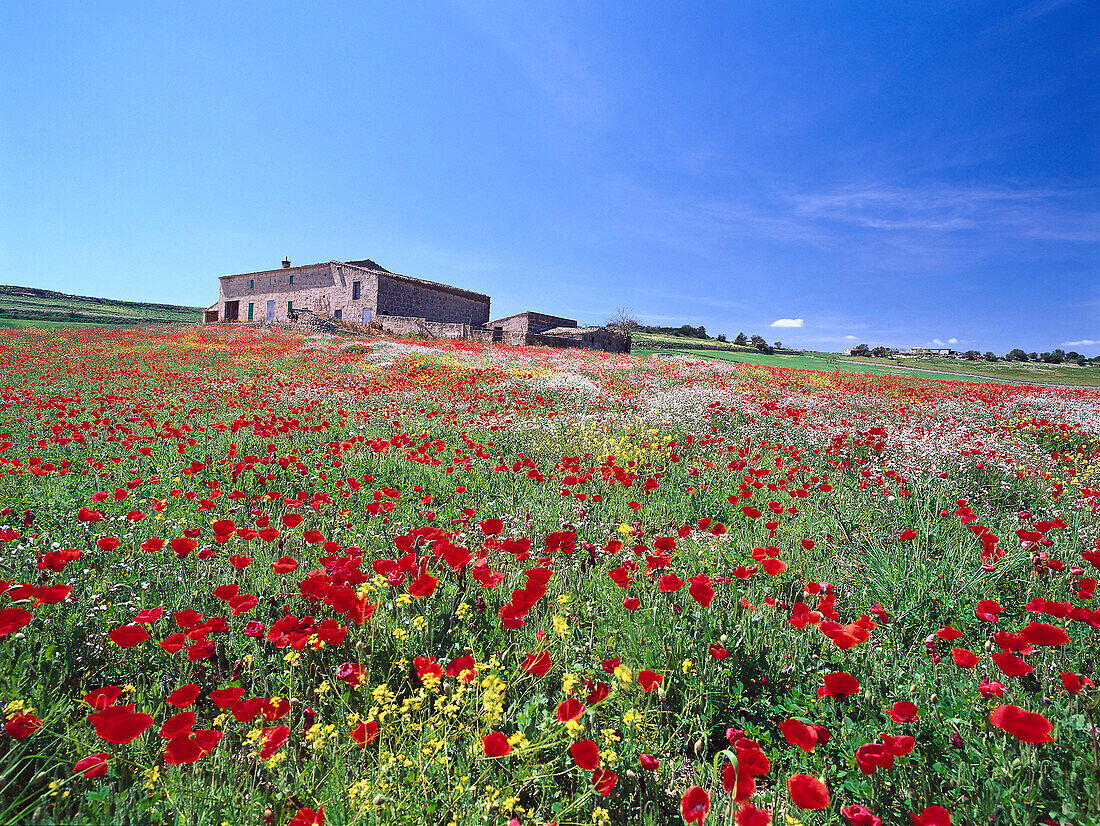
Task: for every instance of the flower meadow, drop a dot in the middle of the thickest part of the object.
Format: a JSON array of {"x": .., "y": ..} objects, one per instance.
[{"x": 251, "y": 576}]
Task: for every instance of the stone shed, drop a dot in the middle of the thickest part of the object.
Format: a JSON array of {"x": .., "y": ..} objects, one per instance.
[{"x": 356, "y": 291}]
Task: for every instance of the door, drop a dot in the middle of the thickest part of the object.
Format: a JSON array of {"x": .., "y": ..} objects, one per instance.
[
  {"x": 271, "y": 310},
  {"x": 250, "y": 305},
  {"x": 366, "y": 316}
]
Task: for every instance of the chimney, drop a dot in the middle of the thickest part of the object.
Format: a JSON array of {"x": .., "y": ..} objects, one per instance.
[{"x": 286, "y": 263}]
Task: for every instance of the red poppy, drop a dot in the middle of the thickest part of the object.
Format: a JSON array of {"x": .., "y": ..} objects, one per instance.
[
  {"x": 308, "y": 817},
  {"x": 858, "y": 815},
  {"x": 119, "y": 724},
  {"x": 491, "y": 527},
  {"x": 424, "y": 585},
  {"x": 694, "y": 805},
  {"x": 964, "y": 658},
  {"x": 127, "y": 636},
  {"x": 183, "y": 696},
  {"x": 102, "y": 697},
  {"x": 365, "y": 733},
  {"x": 932, "y": 816},
  {"x": 670, "y": 582},
  {"x": 701, "y": 590},
  {"x": 537, "y": 664},
  {"x": 987, "y": 610},
  {"x": 749, "y": 815},
  {"x": 649, "y": 680},
  {"x": 649, "y": 762},
  {"x": 1025, "y": 726},
  {"x": 718, "y": 652},
  {"x": 903, "y": 711},
  {"x": 292, "y": 520},
  {"x": 907, "y": 535},
  {"x": 284, "y": 565},
  {"x": 273, "y": 739},
  {"x": 1041, "y": 633},
  {"x": 838, "y": 684},
  {"x": 12, "y": 619},
  {"x": 798, "y": 734},
  {"x": 807, "y": 792},
  {"x": 773, "y": 567},
  {"x": 22, "y": 725},
  {"x": 93, "y": 766},
  {"x": 177, "y": 725},
  {"x": 570, "y": 709},
  {"x": 604, "y": 781},
  {"x": 1010, "y": 664},
  {"x": 495, "y": 744},
  {"x": 108, "y": 543},
  {"x": 585, "y": 754}
]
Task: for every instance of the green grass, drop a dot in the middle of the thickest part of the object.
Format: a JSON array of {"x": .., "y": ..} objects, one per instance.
[
  {"x": 810, "y": 363},
  {"x": 27, "y": 307},
  {"x": 980, "y": 372}
]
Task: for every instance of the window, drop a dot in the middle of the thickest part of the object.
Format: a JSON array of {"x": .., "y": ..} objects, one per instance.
[
  {"x": 252, "y": 283},
  {"x": 250, "y": 311},
  {"x": 355, "y": 290},
  {"x": 292, "y": 279},
  {"x": 339, "y": 315}
]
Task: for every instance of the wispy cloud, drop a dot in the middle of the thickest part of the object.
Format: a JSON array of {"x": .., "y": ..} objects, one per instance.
[
  {"x": 1085, "y": 342},
  {"x": 787, "y": 322}
]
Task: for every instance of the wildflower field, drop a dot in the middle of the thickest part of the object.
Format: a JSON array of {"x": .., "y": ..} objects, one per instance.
[{"x": 254, "y": 577}]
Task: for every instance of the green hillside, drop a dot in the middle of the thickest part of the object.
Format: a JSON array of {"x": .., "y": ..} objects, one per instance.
[
  {"x": 30, "y": 306},
  {"x": 946, "y": 369}
]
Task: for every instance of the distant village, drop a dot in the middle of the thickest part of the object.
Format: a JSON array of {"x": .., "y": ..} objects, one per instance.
[{"x": 365, "y": 294}]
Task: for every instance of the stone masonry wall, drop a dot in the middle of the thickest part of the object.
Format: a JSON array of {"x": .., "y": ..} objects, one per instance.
[
  {"x": 402, "y": 298},
  {"x": 531, "y": 322},
  {"x": 324, "y": 289}
]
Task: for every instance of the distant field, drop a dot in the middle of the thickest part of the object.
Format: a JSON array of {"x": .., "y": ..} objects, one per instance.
[
  {"x": 30, "y": 307},
  {"x": 981, "y": 372}
]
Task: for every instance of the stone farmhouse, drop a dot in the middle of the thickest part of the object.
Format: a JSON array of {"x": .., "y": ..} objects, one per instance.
[
  {"x": 357, "y": 291},
  {"x": 366, "y": 293}
]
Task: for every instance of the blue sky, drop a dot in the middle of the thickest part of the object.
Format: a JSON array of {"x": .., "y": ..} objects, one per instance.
[{"x": 889, "y": 172}]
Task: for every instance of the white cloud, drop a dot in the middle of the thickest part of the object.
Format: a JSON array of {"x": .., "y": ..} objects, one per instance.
[
  {"x": 850, "y": 338},
  {"x": 952, "y": 341},
  {"x": 937, "y": 342},
  {"x": 1085, "y": 342},
  {"x": 788, "y": 322}
]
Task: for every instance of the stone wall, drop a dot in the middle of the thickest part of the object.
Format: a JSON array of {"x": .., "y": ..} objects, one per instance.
[
  {"x": 422, "y": 328},
  {"x": 323, "y": 288},
  {"x": 531, "y": 322},
  {"x": 601, "y": 339},
  {"x": 397, "y": 297}
]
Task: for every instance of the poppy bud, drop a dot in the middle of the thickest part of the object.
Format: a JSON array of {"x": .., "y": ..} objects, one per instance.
[
  {"x": 269, "y": 814},
  {"x": 956, "y": 740},
  {"x": 699, "y": 746},
  {"x": 630, "y": 773},
  {"x": 661, "y": 694},
  {"x": 867, "y": 695},
  {"x": 932, "y": 699}
]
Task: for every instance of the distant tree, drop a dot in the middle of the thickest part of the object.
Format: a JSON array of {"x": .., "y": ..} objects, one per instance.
[
  {"x": 1016, "y": 355},
  {"x": 778, "y": 345},
  {"x": 880, "y": 352},
  {"x": 758, "y": 342},
  {"x": 623, "y": 321},
  {"x": 1080, "y": 361},
  {"x": 861, "y": 350},
  {"x": 1073, "y": 356},
  {"x": 741, "y": 340},
  {"x": 721, "y": 336},
  {"x": 973, "y": 355},
  {"x": 1055, "y": 357},
  {"x": 990, "y": 356},
  {"x": 1033, "y": 356}
]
